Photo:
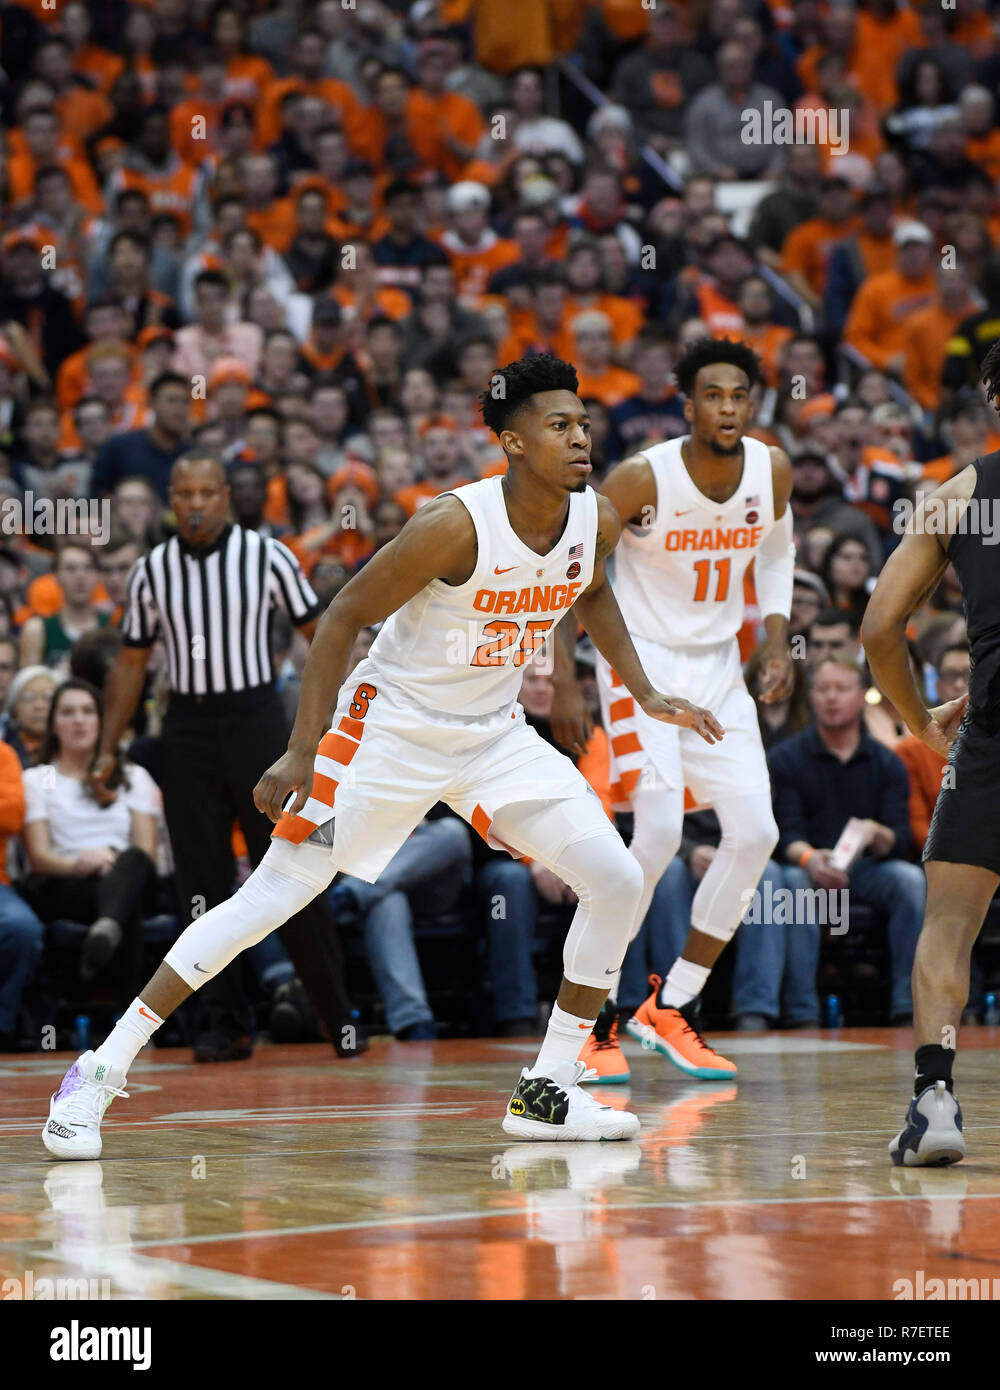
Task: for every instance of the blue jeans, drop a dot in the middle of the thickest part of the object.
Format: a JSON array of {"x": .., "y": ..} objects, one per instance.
[
  {"x": 511, "y": 906},
  {"x": 437, "y": 859},
  {"x": 21, "y": 938},
  {"x": 781, "y": 950},
  {"x": 662, "y": 935},
  {"x": 899, "y": 889}
]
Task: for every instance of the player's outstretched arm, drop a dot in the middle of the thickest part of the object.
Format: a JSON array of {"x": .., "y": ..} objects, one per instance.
[
  {"x": 438, "y": 542},
  {"x": 909, "y": 577},
  {"x": 597, "y": 608}
]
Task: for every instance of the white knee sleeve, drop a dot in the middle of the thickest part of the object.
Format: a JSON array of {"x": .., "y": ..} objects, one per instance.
[
  {"x": 656, "y": 838},
  {"x": 286, "y": 880},
  {"x": 576, "y": 840},
  {"x": 749, "y": 834}
]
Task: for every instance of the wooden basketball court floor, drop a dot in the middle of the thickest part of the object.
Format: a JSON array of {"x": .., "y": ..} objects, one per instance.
[{"x": 296, "y": 1175}]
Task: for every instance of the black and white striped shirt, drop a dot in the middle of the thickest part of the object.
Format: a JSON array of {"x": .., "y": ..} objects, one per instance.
[{"x": 212, "y": 604}]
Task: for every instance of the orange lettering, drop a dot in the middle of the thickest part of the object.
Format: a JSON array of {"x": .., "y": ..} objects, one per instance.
[
  {"x": 540, "y": 598},
  {"x": 523, "y": 602},
  {"x": 485, "y": 601},
  {"x": 558, "y": 599},
  {"x": 505, "y": 601}
]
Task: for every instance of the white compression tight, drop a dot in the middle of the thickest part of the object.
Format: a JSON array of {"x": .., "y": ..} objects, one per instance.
[
  {"x": 597, "y": 866},
  {"x": 284, "y": 882},
  {"x": 749, "y": 834}
]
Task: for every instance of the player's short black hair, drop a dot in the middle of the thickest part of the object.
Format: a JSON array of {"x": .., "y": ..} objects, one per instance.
[
  {"x": 990, "y": 371},
  {"x": 703, "y": 352},
  {"x": 520, "y": 381}
]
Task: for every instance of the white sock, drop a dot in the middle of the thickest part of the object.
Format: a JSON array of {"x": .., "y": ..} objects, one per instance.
[
  {"x": 684, "y": 983},
  {"x": 129, "y": 1036},
  {"x": 563, "y": 1040}
]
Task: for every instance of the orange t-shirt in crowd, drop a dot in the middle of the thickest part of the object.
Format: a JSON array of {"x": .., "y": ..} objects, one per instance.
[
  {"x": 73, "y": 379},
  {"x": 610, "y": 387},
  {"x": 12, "y": 805},
  {"x": 975, "y": 32},
  {"x": 939, "y": 470},
  {"x": 98, "y": 64},
  {"x": 878, "y": 253},
  {"x": 425, "y": 140},
  {"x": 595, "y": 765},
  {"x": 394, "y": 304},
  {"x": 21, "y": 170},
  {"x": 410, "y": 498},
  {"x": 808, "y": 246},
  {"x": 344, "y": 229},
  {"x": 626, "y": 315},
  {"x": 347, "y": 109},
  {"x": 875, "y": 322},
  {"x": 185, "y": 119},
  {"x": 248, "y": 78},
  {"x": 926, "y": 333},
  {"x": 132, "y": 414},
  {"x": 984, "y": 150},
  {"x": 348, "y": 547},
  {"x": 454, "y": 113},
  {"x": 516, "y": 33},
  {"x": 767, "y": 343},
  {"x": 172, "y": 192},
  {"x": 925, "y": 768},
  {"x": 275, "y": 224},
  {"x": 473, "y": 268}
]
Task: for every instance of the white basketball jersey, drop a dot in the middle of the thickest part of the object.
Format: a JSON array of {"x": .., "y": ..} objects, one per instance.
[
  {"x": 679, "y": 580},
  {"x": 463, "y": 647}
]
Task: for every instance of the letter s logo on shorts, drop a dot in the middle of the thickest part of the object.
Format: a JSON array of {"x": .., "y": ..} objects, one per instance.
[{"x": 363, "y": 697}]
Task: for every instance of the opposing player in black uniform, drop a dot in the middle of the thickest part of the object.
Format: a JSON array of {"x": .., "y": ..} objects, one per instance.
[{"x": 960, "y": 524}]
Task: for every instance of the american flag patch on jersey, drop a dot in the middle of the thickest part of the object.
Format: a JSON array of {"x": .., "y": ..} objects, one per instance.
[
  {"x": 753, "y": 501},
  {"x": 576, "y": 551}
]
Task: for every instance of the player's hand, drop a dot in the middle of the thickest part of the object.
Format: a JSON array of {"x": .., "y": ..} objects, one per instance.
[
  {"x": 98, "y": 777},
  {"x": 550, "y": 886},
  {"x": 777, "y": 674},
  {"x": 673, "y": 710},
  {"x": 943, "y": 724},
  {"x": 570, "y": 719},
  {"x": 293, "y": 772},
  {"x": 821, "y": 871}
]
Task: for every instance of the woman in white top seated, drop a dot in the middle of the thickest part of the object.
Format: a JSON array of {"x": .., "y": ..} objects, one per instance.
[{"x": 92, "y": 860}]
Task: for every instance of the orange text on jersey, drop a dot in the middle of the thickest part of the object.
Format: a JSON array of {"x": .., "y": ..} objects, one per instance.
[
  {"x": 535, "y": 599},
  {"x": 730, "y": 538}
]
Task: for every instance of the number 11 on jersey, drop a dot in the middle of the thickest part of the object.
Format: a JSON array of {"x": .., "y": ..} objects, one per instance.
[{"x": 703, "y": 569}]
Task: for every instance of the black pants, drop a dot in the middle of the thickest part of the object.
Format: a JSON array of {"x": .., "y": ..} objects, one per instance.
[
  {"x": 125, "y": 892},
  {"x": 214, "y": 752}
]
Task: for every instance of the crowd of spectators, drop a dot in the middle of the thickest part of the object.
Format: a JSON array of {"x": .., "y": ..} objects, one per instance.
[{"x": 302, "y": 234}]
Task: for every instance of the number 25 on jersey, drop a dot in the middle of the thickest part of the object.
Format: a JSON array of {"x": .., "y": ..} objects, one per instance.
[{"x": 501, "y": 637}]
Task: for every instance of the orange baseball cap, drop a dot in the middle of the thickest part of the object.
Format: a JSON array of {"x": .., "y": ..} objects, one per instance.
[
  {"x": 28, "y": 235},
  {"x": 357, "y": 473},
  {"x": 438, "y": 422}
]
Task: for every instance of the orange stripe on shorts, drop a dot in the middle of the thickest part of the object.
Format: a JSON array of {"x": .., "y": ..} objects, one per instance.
[
  {"x": 625, "y": 743},
  {"x": 616, "y": 679},
  {"x": 354, "y": 727},
  {"x": 621, "y": 709},
  {"x": 293, "y": 828},
  {"x": 324, "y": 788},
  {"x": 481, "y": 822},
  {"x": 629, "y": 782},
  {"x": 337, "y": 748}
]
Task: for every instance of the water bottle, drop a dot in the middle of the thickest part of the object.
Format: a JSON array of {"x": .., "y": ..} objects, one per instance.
[
  {"x": 81, "y": 1033},
  {"x": 991, "y": 1014},
  {"x": 833, "y": 1016}
]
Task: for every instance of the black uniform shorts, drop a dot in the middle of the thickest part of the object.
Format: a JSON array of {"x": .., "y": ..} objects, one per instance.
[{"x": 965, "y": 827}]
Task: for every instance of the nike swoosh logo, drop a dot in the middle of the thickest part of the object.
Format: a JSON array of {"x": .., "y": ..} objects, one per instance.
[
  {"x": 152, "y": 1017},
  {"x": 685, "y": 513},
  {"x": 201, "y": 968},
  {"x": 496, "y": 570},
  {"x": 588, "y": 1026},
  {"x": 615, "y": 971}
]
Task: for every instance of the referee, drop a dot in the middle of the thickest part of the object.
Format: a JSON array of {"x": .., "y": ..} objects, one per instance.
[{"x": 209, "y": 592}]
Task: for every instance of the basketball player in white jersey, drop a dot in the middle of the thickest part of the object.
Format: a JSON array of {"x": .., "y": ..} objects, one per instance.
[
  {"x": 697, "y": 510},
  {"x": 468, "y": 592}
]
